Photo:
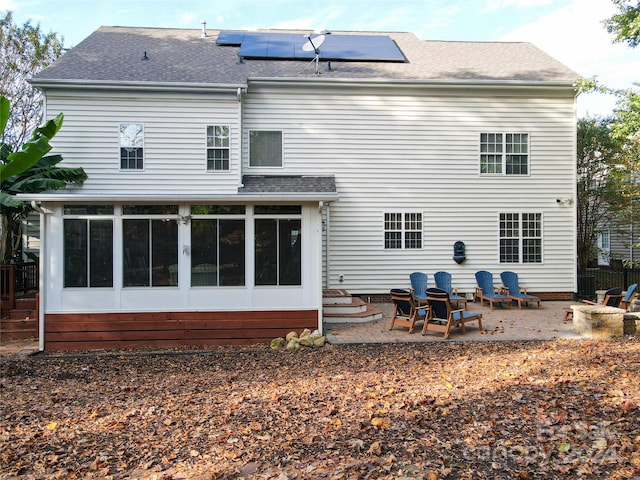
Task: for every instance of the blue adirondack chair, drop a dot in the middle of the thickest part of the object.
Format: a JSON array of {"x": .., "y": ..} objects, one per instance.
[
  {"x": 419, "y": 282},
  {"x": 515, "y": 291},
  {"x": 443, "y": 282},
  {"x": 629, "y": 296},
  {"x": 486, "y": 291},
  {"x": 441, "y": 317}
]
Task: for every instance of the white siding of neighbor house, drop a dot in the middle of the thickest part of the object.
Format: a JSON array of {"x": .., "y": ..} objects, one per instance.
[
  {"x": 175, "y": 159},
  {"x": 418, "y": 150}
]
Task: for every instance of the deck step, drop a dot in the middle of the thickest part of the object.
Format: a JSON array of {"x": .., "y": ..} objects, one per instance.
[
  {"x": 370, "y": 314},
  {"x": 28, "y": 303},
  {"x": 356, "y": 305},
  {"x": 22, "y": 314},
  {"x": 335, "y": 297},
  {"x": 16, "y": 329}
]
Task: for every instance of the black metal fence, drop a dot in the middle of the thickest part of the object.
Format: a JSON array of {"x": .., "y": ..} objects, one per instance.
[{"x": 604, "y": 278}]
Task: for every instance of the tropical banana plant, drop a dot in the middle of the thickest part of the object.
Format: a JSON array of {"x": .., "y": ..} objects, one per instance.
[{"x": 28, "y": 170}]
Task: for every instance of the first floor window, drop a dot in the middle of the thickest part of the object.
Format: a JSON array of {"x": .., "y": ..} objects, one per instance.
[
  {"x": 88, "y": 253},
  {"x": 217, "y": 147},
  {"x": 218, "y": 248},
  {"x": 150, "y": 247},
  {"x": 131, "y": 146},
  {"x": 402, "y": 230},
  {"x": 278, "y": 253},
  {"x": 504, "y": 153},
  {"x": 520, "y": 238},
  {"x": 265, "y": 148},
  {"x": 88, "y": 245}
]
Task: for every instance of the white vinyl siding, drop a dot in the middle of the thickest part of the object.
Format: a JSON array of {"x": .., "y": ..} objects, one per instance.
[
  {"x": 394, "y": 153},
  {"x": 174, "y": 143}
]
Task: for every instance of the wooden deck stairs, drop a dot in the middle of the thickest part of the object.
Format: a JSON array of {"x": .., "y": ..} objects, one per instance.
[
  {"x": 21, "y": 321},
  {"x": 338, "y": 306}
]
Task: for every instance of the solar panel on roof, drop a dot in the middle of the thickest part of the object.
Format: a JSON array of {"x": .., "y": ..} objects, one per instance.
[
  {"x": 230, "y": 38},
  {"x": 288, "y": 46}
]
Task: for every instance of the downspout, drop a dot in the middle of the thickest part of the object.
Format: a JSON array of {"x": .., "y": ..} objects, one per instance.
[
  {"x": 42, "y": 270},
  {"x": 327, "y": 249},
  {"x": 239, "y": 97}
]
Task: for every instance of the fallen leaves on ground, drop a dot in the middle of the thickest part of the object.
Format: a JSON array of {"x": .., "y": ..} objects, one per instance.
[{"x": 557, "y": 409}]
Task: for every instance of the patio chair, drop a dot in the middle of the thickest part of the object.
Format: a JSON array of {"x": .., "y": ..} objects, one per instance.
[
  {"x": 406, "y": 311},
  {"x": 441, "y": 318},
  {"x": 611, "y": 298},
  {"x": 515, "y": 291},
  {"x": 486, "y": 291},
  {"x": 443, "y": 282},
  {"x": 627, "y": 300},
  {"x": 419, "y": 285}
]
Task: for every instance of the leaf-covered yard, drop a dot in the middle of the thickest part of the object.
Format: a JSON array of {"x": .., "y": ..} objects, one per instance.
[{"x": 557, "y": 409}]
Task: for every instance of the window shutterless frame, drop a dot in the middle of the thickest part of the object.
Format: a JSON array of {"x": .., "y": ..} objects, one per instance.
[
  {"x": 131, "y": 146},
  {"x": 402, "y": 230},
  {"x": 218, "y": 148},
  {"x": 505, "y": 153},
  {"x": 266, "y": 148},
  {"x": 520, "y": 237}
]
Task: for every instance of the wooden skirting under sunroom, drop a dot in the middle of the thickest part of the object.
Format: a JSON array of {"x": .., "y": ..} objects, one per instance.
[{"x": 90, "y": 331}]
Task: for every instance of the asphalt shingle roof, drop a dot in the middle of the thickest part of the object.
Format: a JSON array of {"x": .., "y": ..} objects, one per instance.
[
  {"x": 288, "y": 183},
  {"x": 181, "y": 56}
]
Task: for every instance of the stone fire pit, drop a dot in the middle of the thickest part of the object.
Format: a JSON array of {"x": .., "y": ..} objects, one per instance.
[{"x": 597, "y": 321}]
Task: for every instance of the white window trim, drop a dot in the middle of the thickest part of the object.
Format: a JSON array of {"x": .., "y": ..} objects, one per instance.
[
  {"x": 403, "y": 231},
  {"x": 207, "y": 148},
  {"x": 144, "y": 148},
  {"x": 504, "y": 173},
  {"x": 520, "y": 237}
]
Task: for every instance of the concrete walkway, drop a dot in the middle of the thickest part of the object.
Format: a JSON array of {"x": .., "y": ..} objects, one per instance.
[{"x": 502, "y": 323}]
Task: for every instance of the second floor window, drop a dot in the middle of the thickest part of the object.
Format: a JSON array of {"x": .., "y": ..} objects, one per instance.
[
  {"x": 217, "y": 147},
  {"x": 504, "y": 153},
  {"x": 265, "y": 148},
  {"x": 131, "y": 146}
]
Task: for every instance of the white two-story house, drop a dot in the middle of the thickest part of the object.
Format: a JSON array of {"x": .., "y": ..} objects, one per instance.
[{"x": 235, "y": 175}]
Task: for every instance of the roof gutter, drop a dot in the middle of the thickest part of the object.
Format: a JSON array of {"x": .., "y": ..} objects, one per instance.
[
  {"x": 149, "y": 199},
  {"x": 411, "y": 83},
  {"x": 147, "y": 86}
]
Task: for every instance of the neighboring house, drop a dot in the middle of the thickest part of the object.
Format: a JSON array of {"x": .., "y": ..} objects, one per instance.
[
  {"x": 618, "y": 245},
  {"x": 230, "y": 182}
]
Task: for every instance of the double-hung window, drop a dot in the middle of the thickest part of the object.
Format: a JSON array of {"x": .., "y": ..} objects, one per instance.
[
  {"x": 278, "y": 245},
  {"x": 402, "y": 230},
  {"x": 520, "y": 238},
  {"x": 88, "y": 246},
  {"x": 150, "y": 245},
  {"x": 265, "y": 148},
  {"x": 504, "y": 153},
  {"x": 217, "y": 245},
  {"x": 218, "y": 147},
  {"x": 131, "y": 146}
]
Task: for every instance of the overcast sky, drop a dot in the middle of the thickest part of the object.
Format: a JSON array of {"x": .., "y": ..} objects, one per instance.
[{"x": 569, "y": 30}]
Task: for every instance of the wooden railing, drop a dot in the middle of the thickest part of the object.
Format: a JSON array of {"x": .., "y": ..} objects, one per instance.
[{"x": 16, "y": 280}]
